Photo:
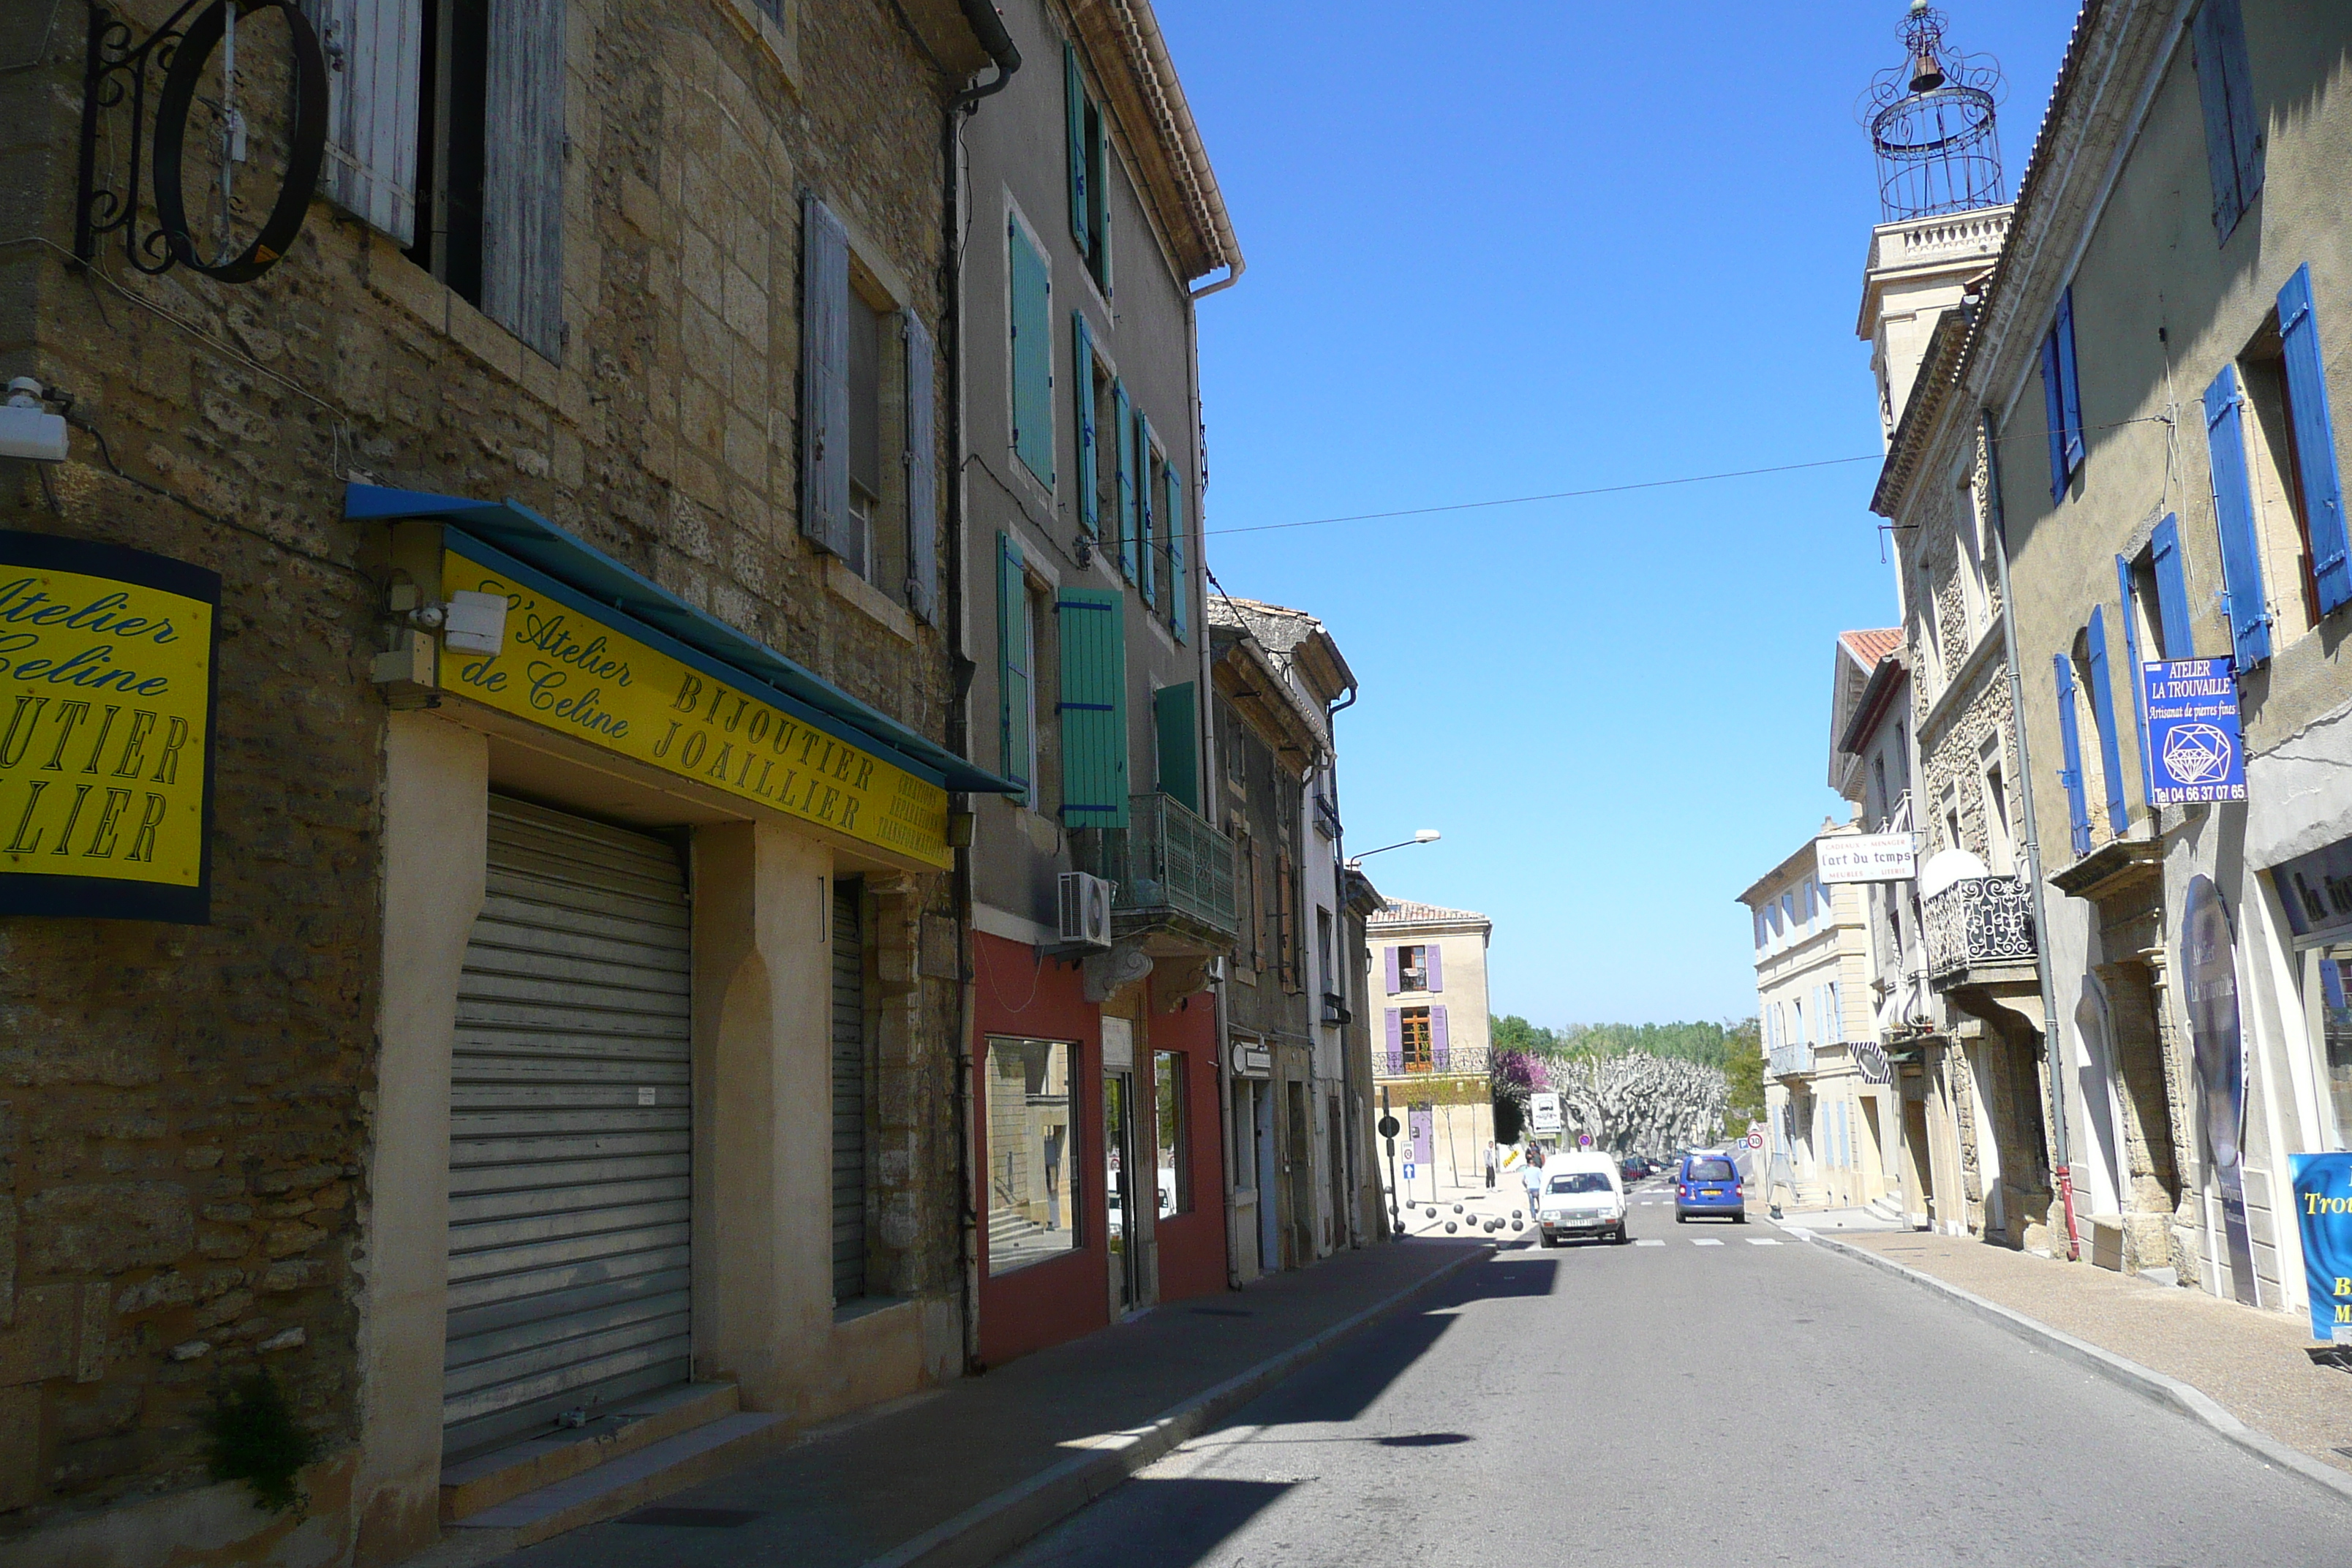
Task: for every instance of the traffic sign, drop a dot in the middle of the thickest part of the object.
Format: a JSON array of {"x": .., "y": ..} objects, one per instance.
[
  {"x": 1408, "y": 1169},
  {"x": 1389, "y": 1126},
  {"x": 1756, "y": 1140},
  {"x": 1584, "y": 1140}
]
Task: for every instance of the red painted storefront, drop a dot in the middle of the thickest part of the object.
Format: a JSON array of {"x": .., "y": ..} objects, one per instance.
[{"x": 1023, "y": 993}]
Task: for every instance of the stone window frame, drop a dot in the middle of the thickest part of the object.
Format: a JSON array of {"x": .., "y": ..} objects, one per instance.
[{"x": 883, "y": 287}]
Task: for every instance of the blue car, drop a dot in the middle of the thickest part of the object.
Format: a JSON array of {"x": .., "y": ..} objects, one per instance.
[{"x": 1708, "y": 1185}]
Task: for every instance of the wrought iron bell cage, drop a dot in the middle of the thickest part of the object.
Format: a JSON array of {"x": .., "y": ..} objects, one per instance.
[{"x": 1934, "y": 125}]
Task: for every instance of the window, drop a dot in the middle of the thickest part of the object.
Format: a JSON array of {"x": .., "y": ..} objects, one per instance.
[
  {"x": 446, "y": 133},
  {"x": 1291, "y": 942},
  {"x": 1175, "y": 1179},
  {"x": 1711, "y": 1171},
  {"x": 1151, "y": 468},
  {"x": 2297, "y": 489},
  {"x": 1030, "y": 323},
  {"x": 1975, "y": 602},
  {"x": 2233, "y": 138},
  {"x": 2070, "y": 769},
  {"x": 1576, "y": 1182},
  {"x": 1879, "y": 800},
  {"x": 2327, "y": 993},
  {"x": 1412, "y": 968},
  {"x": 1999, "y": 842},
  {"x": 1929, "y": 632},
  {"x": 866, "y": 419},
  {"x": 1419, "y": 1054},
  {"x": 2062, "y": 399},
  {"x": 1951, "y": 804},
  {"x": 1033, "y": 1207},
  {"x": 2094, "y": 679},
  {"x": 1016, "y": 662},
  {"x": 1090, "y": 165},
  {"x": 1333, "y": 985}
]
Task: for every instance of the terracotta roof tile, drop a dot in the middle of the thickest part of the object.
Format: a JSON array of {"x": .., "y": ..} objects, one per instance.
[
  {"x": 1869, "y": 646},
  {"x": 1404, "y": 912}
]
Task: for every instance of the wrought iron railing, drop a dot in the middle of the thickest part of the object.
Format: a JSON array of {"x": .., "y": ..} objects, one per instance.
[
  {"x": 1453, "y": 1060},
  {"x": 1791, "y": 1061},
  {"x": 1168, "y": 861},
  {"x": 1979, "y": 920}
]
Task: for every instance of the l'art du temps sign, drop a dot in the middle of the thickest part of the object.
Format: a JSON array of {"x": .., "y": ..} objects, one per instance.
[
  {"x": 108, "y": 668},
  {"x": 565, "y": 669}
]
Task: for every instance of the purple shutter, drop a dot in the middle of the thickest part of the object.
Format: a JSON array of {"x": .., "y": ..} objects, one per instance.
[
  {"x": 1436, "y": 968},
  {"x": 1392, "y": 953},
  {"x": 1438, "y": 1047},
  {"x": 1396, "y": 1024}
]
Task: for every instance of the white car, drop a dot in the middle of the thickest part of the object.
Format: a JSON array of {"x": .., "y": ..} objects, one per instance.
[{"x": 1582, "y": 1196}]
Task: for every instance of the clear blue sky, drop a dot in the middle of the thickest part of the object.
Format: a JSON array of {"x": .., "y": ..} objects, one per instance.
[{"x": 1510, "y": 248}]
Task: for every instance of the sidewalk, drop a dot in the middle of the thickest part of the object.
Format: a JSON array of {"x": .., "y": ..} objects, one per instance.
[
  {"x": 2250, "y": 1363},
  {"x": 961, "y": 1474}
]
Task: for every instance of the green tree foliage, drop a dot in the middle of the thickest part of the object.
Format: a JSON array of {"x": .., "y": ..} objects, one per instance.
[
  {"x": 1513, "y": 1033},
  {"x": 1743, "y": 1071},
  {"x": 1706, "y": 1044}
]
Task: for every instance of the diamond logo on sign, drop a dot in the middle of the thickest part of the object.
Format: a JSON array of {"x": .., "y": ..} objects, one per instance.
[{"x": 2194, "y": 751}]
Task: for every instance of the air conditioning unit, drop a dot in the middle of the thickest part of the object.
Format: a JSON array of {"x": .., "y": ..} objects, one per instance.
[{"x": 1085, "y": 909}]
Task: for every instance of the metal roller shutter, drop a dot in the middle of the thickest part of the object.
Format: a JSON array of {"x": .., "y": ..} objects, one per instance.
[
  {"x": 848, "y": 1095},
  {"x": 570, "y": 1130}
]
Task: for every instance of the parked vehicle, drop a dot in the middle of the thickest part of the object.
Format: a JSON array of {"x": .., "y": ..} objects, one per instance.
[
  {"x": 1708, "y": 1185},
  {"x": 1582, "y": 1196}
]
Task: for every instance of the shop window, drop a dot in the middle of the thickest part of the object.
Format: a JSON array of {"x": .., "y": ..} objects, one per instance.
[
  {"x": 1034, "y": 1203},
  {"x": 2328, "y": 991},
  {"x": 1175, "y": 1178}
]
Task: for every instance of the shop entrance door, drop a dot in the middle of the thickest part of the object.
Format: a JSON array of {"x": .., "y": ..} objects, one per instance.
[
  {"x": 570, "y": 1132},
  {"x": 1302, "y": 1178},
  {"x": 1118, "y": 1143}
]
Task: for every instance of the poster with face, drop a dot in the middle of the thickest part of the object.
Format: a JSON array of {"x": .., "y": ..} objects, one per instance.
[{"x": 2210, "y": 978}]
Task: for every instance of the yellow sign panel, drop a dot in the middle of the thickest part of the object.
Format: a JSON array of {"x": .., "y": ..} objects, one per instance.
[
  {"x": 106, "y": 689},
  {"x": 573, "y": 674}
]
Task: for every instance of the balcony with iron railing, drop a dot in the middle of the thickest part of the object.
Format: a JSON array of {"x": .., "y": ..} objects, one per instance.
[
  {"x": 1792, "y": 1060},
  {"x": 1454, "y": 1061},
  {"x": 1979, "y": 930},
  {"x": 1172, "y": 873}
]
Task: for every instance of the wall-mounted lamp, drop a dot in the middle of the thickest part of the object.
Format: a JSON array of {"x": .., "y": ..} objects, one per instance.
[{"x": 27, "y": 428}]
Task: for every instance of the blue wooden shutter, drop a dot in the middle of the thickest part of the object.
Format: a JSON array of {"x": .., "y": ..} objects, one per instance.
[
  {"x": 2233, "y": 142},
  {"x": 1147, "y": 513},
  {"x": 923, "y": 471},
  {"x": 2103, "y": 713},
  {"x": 2070, "y": 774},
  {"x": 825, "y": 378},
  {"x": 1433, "y": 960},
  {"x": 2131, "y": 672},
  {"x": 1441, "y": 1044},
  {"x": 1074, "y": 109},
  {"x": 1395, "y": 1038},
  {"x": 1176, "y": 723},
  {"x": 1032, "y": 357},
  {"x": 2069, "y": 383},
  {"x": 2171, "y": 589},
  {"x": 1123, "y": 412},
  {"x": 1093, "y": 708},
  {"x": 2233, "y": 516},
  {"x": 2314, "y": 440},
  {"x": 1012, "y": 672},
  {"x": 1179, "y": 576},
  {"x": 2053, "y": 407},
  {"x": 1082, "y": 375}
]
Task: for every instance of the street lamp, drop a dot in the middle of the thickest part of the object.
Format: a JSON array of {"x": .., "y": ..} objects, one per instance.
[{"x": 1426, "y": 835}]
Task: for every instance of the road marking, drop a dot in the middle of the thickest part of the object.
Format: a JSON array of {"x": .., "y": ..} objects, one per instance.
[
  {"x": 1761, "y": 1241},
  {"x": 1705, "y": 1241},
  {"x": 1649, "y": 1243}
]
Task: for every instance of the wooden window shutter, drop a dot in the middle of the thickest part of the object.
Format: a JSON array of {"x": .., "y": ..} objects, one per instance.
[
  {"x": 1124, "y": 413},
  {"x": 1093, "y": 708},
  {"x": 1395, "y": 968},
  {"x": 1098, "y": 201},
  {"x": 1176, "y": 722},
  {"x": 1436, "y": 964},
  {"x": 922, "y": 470},
  {"x": 2233, "y": 516},
  {"x": 1147, "y": 515},
  {"x": 1073, "y": 110},
  {"x": 2225, "y": 88},
  {"x": 374, "y": 79},
  {"x": 2054, "y": 413},
  {"x": 1012, "y": 672},
  {"x": 2171, "y": 589},
  {"x": 2070, "y": 772},
  {"x": 825, "y": 378},
  {"x": 1395, "y": 1038},
  {"x": 1441, "y": 1043},
  {"x": 2315, "y": 441},
  {"x": 2131, "y": 674},
  {"x": 522, "y": 174},
  {"x": 1082, "y": 377},
  {"x": 2069, "y": 383},
  {"x": 1032, "y": 357},
  {"x": 2102, "y": 711},
  {"x": 1179, "y": 576}
]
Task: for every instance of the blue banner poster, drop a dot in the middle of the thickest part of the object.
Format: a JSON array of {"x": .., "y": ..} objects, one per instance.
[
  {"x": 2323, "y": 1210},
  {"x": 2194, "y": 752}
]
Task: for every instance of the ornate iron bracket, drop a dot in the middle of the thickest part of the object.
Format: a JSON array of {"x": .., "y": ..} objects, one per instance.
[{"x": 116, "y": 73}]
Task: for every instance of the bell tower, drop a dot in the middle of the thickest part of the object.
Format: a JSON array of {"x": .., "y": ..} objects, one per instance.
[{"x": 1943, "y": 204}]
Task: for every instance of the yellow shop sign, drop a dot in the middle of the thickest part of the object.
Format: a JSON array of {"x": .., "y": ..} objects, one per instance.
[
  {"x": 107, "y": 662},
  {"x": 565, "y": 669}
]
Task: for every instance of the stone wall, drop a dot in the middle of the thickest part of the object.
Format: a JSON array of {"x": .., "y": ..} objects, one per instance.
[{"x": 184, "y": 1111}]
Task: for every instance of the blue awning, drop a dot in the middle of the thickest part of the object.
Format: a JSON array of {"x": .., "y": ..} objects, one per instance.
[{"x": 522, "y": 534}]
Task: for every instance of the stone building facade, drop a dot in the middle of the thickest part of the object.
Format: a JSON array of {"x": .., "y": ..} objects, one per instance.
[{"x": 578, "y": 386}]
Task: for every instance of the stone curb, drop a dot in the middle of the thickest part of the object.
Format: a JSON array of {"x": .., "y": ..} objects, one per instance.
[
  {"x": 2149, "y": 1383},
  {"x": 994, "y": 1526}
]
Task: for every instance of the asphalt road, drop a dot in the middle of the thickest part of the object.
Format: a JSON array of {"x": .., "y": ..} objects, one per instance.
[{"x": 1757, "y": 1401}]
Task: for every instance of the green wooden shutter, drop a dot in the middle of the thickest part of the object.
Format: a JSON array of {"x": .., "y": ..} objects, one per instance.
[
  {"x": 2315, "y": 441},
  {"x": 1099, "y": 200},
  {"x": 1074, "y": 109},
  {"x": 1013, "y": 702},
  {"x": 1179, "y": 578},
  {"x": 1121, "y": 412},
  {"x": 1082, "y": 375},
  {"x": 1032, "y": 357},
  {"x": 1176, "y": 719},
  {"x": 1146, "y": 517},
  {"x": 1093, "y": 708}
]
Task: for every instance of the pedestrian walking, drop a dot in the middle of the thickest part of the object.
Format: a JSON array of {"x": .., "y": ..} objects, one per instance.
[
  {"x": 1490, "y": 1167},
  {"x": 1531, "y": 1174}
]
